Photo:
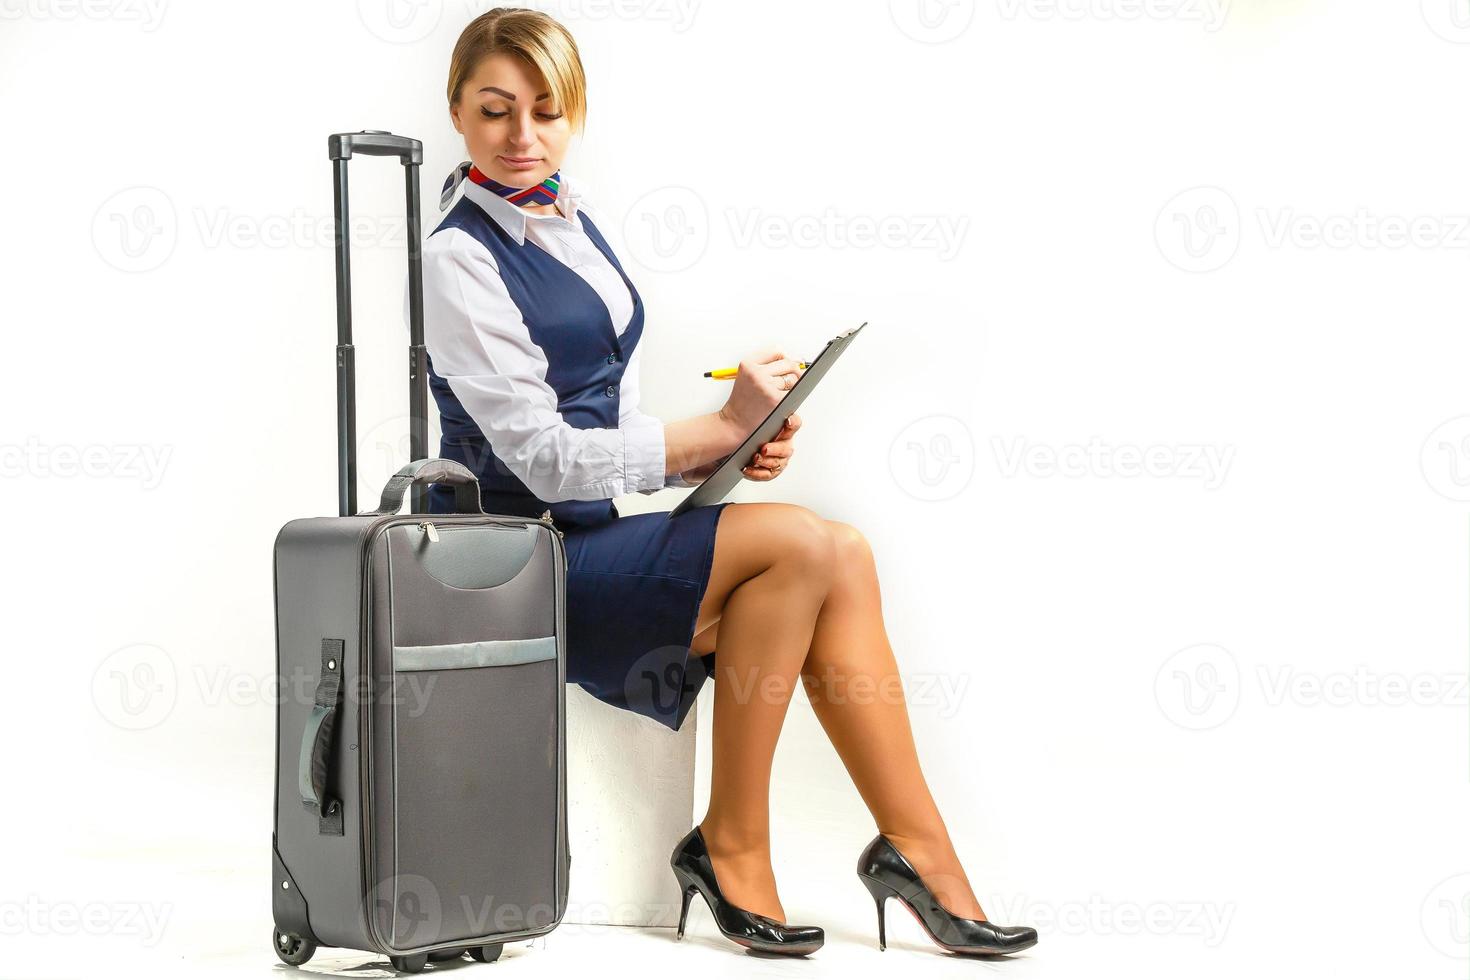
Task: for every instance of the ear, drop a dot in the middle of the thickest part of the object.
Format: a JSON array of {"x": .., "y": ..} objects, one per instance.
[{"x": 454, "y": 117}]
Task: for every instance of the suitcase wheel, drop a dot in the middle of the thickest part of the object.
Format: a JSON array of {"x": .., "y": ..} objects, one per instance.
[
  {"x": 410, "y": 964},
  {"x": 293, "y": 950},
  {"x": 487, "y": 954}
]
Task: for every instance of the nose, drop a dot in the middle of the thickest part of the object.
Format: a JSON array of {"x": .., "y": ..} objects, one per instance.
[{"x": 522, "y": 132}]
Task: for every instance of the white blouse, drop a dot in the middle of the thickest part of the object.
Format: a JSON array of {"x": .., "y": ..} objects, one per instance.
[{"x": 482, "y": 348}]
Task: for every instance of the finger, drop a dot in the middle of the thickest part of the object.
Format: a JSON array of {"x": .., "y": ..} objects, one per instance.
[
  {"x": 773, "y": 451},
  {"x": 782, "y": 438},
  {"x": 771, "y": 460},
  {"x": 766, "y": 355},
  {"x": 793, "y": 421},
  {"x": 782, "y": 365},
  {"x": 757, "y": 473}
]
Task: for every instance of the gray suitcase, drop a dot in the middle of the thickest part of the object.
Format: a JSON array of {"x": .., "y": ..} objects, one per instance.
[{"x": 420, "y": 804}]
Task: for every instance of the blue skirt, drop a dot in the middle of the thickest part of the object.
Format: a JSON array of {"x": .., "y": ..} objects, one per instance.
[{"x": 634, "y": 585}]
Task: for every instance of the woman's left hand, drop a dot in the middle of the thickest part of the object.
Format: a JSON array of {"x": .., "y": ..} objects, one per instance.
[{"x": 773, "y": 458}]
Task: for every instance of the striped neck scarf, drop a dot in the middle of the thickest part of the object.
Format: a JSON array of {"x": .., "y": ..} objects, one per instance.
[{"x": 543, "y": 193}]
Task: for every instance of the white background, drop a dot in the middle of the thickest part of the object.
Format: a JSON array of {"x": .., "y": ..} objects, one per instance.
[{"x": 1197, "y": 719}]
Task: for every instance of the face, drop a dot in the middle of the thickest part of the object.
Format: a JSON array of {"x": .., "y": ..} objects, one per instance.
[{"x": 513, "y": 131}]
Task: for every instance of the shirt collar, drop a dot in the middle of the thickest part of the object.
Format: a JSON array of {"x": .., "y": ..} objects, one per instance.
[{"x": 513, "y": 218}]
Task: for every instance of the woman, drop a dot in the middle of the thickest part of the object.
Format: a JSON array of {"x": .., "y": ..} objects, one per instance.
[{"x": 533, "y": 330}]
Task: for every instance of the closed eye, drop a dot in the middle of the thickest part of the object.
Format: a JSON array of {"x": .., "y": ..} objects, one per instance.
[{"x": 501, "y": 115}]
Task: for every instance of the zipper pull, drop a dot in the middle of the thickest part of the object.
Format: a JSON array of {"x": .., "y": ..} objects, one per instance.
[
  {"x": 430, "y": 530},
  {"x": 546, "y": 516}
]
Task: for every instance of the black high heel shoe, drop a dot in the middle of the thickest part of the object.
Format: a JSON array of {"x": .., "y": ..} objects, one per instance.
[
  {"x": 695, "y": 872},
  {"x": 886, "y": 873}
]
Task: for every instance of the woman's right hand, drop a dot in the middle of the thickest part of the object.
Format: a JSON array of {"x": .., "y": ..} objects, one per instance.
[{"x": 761, "y": 382}]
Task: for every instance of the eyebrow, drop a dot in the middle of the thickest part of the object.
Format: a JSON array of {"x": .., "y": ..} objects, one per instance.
[{"x": 504, "y": 94}]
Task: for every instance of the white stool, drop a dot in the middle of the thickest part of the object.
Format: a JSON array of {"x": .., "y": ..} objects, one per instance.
[{"x": 630, "y": 798}]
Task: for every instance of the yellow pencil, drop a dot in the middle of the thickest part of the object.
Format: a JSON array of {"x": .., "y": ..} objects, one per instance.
[{"x": 726, "y": 374}]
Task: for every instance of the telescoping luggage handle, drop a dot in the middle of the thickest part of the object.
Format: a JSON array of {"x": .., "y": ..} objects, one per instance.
[{"x": 410, "y": 152}]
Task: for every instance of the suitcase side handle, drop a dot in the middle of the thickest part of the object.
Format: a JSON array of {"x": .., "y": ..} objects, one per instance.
[
  {"x": 423, "y": 471},
  {"x": 313, "y": 778}
]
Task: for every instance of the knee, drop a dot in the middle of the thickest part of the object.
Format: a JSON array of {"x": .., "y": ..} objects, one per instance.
[
  {"x": 851, "y": 547},
  {"x": 808, "y": 544}
]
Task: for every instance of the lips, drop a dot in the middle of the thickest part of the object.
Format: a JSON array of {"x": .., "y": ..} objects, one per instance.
[{"x": 519, "y": 163}]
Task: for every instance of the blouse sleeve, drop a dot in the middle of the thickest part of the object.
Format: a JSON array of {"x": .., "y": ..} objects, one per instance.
[
  {"x": 482, "y": 348},
  {"x": 630, "y": 413}
]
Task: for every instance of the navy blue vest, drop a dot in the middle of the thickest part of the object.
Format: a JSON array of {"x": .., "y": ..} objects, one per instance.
[{"x": 585, "y": 358}]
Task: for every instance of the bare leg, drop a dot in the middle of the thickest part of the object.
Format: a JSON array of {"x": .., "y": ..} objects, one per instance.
[
  {"x": 852, "y": 680},
  {"x": 772, "y": 568}
]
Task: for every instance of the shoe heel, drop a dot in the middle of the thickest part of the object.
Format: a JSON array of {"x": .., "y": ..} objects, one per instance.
[
  {"x": 881, "y": 893},
  {"x": 689, "y": 889}
]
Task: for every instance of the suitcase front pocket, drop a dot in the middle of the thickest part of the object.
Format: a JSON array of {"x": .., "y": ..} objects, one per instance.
[
  {"x": 470, "y": 585},
  {"x": 475, "y": 798}
]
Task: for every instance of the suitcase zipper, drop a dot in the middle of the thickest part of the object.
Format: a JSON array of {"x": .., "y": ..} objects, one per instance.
[{"x": 433, "y": 532}]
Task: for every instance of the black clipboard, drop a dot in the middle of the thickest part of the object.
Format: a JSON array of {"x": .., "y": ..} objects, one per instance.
[{"x": 724, "y": 479}]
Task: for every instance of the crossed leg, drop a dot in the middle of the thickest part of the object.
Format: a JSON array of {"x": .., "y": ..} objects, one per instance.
[{"x": 794, "y": 596}]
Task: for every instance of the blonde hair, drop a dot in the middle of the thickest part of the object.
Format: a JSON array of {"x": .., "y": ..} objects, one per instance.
[{"x": 535, "y": 37}]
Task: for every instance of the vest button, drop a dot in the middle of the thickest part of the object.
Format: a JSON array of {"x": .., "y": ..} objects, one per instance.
[
  {"x": 612, "y": 358},
  {"x": 611, "y": 390}
]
